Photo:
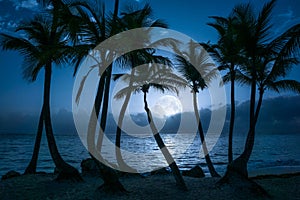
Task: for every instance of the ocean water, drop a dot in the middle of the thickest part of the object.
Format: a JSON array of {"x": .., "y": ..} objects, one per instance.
[{"x": 281, "y": 151}]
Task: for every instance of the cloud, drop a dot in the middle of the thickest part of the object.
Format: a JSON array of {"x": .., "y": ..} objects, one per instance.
[
  {"x": 284, "y": 119},
  {"x": 28, "y": 4},
  {"x": 17, "y": 122},
  {"x": 285, "y": 20},
  {"x": 13, "y": 12}
]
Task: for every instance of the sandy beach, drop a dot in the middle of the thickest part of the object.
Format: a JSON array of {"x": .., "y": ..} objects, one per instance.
[{"x": 43, "y": 186}]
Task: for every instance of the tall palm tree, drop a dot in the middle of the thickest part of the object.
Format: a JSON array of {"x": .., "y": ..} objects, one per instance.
[
  {"x": 161, "y": 78},
  {"x": 60, "y": 12},
  {"x": 226, "y": 54},
  {"x": 44, "y": 44},
  {"x": 273, "y": 64},
  {"x": 94, "y": 28},
  {"x": 94, "y": 32},
  {"x": 252, "y": 35},
  {"x": 198, "y": 77},
  {"x": 266, "y": 62}
]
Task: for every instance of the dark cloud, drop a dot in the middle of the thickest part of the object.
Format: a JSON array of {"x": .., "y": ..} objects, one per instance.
[
  {"x": 280, "y": 115},
  {"x": 14, "y": 12},
  {"x": 15, "y": 122}
]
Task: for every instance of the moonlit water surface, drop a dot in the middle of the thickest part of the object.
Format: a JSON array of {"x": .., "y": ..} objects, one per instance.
[{"x": 269, "y": 151}]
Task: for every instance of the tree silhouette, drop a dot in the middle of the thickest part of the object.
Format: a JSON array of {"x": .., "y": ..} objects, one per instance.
[
  {"x": 266, "y": 61},
  {"x": 162, "y": 78},
  {"x": 198, "y": 77},
  {"x": 44, "y": 44},
  {"x": 130, "y": 20},
  {"x": 94, "y": 32},
  {"x": 226, "y": 52}
]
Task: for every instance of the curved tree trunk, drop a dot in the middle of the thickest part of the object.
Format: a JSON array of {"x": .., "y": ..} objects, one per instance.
[
  {"x": 109, "y": 176},
  {"x": 66, "y": 171},
  {"x": 259, "y": 103},
  {"x": 97, "y": 104},
  {"x": 237, "y": 170},
  {"x": 239, "y": 165},
  {"x": 31, "y": 168},
  {"x": 232, "y": 116},
  {"x": 104, "y": 107},
  {"x": 107, "y": 86},
  {"x": 245, "y": 156},
  {"x": 122, "y": 164},
  {"x": 175, "y": 170},
  {"x": 210, "y": 165}
]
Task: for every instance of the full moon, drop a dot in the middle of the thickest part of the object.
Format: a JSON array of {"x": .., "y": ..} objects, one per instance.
[{"x": 166, "y": 106}]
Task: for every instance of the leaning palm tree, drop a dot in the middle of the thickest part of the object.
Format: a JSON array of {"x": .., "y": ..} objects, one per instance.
[
  {"x": 163, "y": 79},
  {"x": 132, "y": 19},
  {"x": 198, "y": 77},
  {"x": 226, "y": 53},
  {"x": 43, "y": 45},
  {"x": 136, "y": 58}
]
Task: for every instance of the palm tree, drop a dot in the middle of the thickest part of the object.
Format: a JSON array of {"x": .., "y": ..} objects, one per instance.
[
  {"x": 252, "y": 34},
  {"x": 281, "y": 55},
  {"x": 161, "y": 78},
  {"x": 60, "y": 12},
  {"x": 265, "y": 63},
  {"x": 44, "y": 43},
  {"x": 226, "y": 53},
  {"x": 136, "y": 58},
  {"x": 93, "y": 32},
  {"x": 198, "y": 77},
  {"x": 96, "y": 31},
  {"x": 130, "y": 20},
  {"x": 94, "y": 28}
]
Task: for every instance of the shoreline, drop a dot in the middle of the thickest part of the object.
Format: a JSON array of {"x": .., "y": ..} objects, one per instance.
[
  {"x": 274, "y": 171},
  {"x": 158, "y": 186}
]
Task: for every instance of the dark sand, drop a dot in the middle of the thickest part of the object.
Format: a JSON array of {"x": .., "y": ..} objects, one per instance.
[{"x": 43, "y": 186}]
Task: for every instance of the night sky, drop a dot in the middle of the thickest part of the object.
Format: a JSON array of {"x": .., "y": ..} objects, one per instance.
[{"x": 18, "y": 97}]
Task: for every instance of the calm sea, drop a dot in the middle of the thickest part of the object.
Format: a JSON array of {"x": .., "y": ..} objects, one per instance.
[{"x": 270, "y": 151}]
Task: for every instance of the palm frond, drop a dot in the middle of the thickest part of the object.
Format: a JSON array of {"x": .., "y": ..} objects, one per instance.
[
  {"x": 286, "y": 85},
  {"x": 263, "y": 21},
  {"x": 242, "y": 78}
]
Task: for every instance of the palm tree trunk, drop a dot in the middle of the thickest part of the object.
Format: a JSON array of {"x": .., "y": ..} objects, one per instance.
[
  {"x": 109, "y": 176},
  {"x": 116, "y": 9},
  {"x": 259, "y": 103},
  {"x": 175, "y": 170},
  {"x": 239, "y": 165},
  {"x": 107, "y": 84},
  {"x": 210, "y": 165},
  {"x": 99, "y": 95},
  {"x": 104, "y": 108},
  {"x": 31, "y": 168},
  {"x": 66, "y": 171},
  {"x": 122, "y": 164},
  {"x": 232, "y": 116},
  {"x": 251, "y": 136},
  {"x": 97, "y": 104}
]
